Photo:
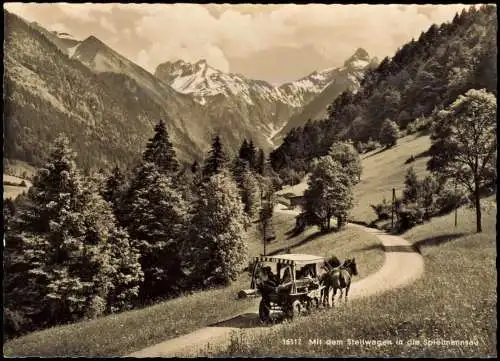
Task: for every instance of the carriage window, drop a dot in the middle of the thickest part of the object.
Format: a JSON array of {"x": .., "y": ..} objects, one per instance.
[{"x": 308, "y": 270}]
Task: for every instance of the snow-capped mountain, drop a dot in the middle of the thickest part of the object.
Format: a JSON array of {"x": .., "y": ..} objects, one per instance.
[
  {"x": 257, "y": 102},
  {"x": 337, "y": 80},
  {"x": 196, "y": 100}
]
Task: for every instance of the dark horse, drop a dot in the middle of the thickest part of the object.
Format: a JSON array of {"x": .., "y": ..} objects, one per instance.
[{"x": 337, "y": 279}]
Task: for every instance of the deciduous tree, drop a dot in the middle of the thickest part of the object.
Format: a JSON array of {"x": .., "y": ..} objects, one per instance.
[{"x": 464, "y": 143}]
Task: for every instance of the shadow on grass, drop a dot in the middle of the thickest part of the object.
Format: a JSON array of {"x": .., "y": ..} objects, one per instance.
[
  {"x": 395, "y": 249},
  {"x": 437, "y": 240},
  {"x": 417, "y": 246},
  {"x": 377, "y": 152},
  {"x": 246, "y": 320},
  {"x": 423, "y": 154},
  {"x": 309, "y": 238}
]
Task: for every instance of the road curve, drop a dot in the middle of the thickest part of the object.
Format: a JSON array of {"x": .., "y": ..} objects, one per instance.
[{"x": 402, "y": 266}]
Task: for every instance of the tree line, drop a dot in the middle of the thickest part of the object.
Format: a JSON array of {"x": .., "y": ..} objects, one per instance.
[
  {"x": 78, "y": 247},
  {"x": 408, "y": 90},
  {"x": 462, "y": 163}
]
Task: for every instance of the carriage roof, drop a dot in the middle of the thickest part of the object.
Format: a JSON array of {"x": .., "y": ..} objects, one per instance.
[{"x": 293, "y": 258}]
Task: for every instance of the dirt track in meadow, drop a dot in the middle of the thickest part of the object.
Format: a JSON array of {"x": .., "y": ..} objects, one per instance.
[{"x": 402, "y": 266}]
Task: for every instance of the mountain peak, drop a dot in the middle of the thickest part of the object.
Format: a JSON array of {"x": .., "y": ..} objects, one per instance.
[
  {"x": 93, "y": 39},
  {"x": 359, "y": 60},
  {"x": 361, "y": 53}
]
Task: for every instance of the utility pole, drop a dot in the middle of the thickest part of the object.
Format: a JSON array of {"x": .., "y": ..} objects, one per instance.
[
  {"x": 456, "y": 208},
  {"x": 264, "y": 221},
  {"x": 392, "y": 208}
]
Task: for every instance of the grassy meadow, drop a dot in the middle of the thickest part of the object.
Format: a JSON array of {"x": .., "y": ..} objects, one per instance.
[
  {"x": 382, "y": 171},
  {"x": 454, "y": 300},
  {"x": 123, "y": 333},
  {"x": 12, "y": 186}
]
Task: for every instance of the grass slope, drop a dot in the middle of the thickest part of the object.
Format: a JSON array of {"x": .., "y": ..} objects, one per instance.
[
  {"x": 454, "y": 300},
  {"x": 12, "y": 187},
  {"x": 382, "y": 171},
  {"x": 124, "y": 333}
]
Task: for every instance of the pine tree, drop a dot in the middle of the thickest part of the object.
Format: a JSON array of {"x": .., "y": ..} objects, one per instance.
[
  {"x": 261, "y": 162},
  {"x": 250, "y": 194},
  {"x": 156, "y": 221},
  {"x": 217, "y": 159},
  {"x": 411, "y": 192},
  {"x": 114, "y": 188},
  {"x": 217, "y": 246},
  {"x": 160, "y": 151},
  {"x": 252, "y": 155},
  {"x": 195, "y": 167},
  {"x": 243, "y": 153},
  {"x": 127, "y": 275},
  {"x": 58, "y": 267}
]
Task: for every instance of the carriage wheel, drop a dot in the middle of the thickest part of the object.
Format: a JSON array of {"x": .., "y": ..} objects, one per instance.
[
  {"x": 297, "y": 308},
  {"x": 263, "y": 312}
]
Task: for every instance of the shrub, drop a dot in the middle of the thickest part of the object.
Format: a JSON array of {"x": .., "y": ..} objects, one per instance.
[
  {"x": 421, "y": 124},
  {"x": 383, "y": 210},
  {"x": 15, "y": 323},
  {"x": 389, "y": 133},
  {"x": 409, "y": 215},
  {"x": 449, "y": 198},
  {"x": 411, "y": 128},
  {"x": 360, "y": 147},
  {"x": 372, "y": 145}
]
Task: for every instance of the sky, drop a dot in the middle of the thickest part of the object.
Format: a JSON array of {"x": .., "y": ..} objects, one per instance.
[{"x": 273, "y": 42}]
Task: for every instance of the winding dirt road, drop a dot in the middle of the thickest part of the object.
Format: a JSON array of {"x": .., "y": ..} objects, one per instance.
[{"x": 402, "y": 266}]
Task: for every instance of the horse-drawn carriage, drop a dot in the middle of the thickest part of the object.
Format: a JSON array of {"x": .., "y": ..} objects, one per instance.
[{"x": 290, "y": 284}]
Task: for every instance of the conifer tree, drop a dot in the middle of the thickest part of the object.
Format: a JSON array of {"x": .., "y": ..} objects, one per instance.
[
  {"x": 217, "y": 246},
  {"x": 252, "y": 155},
  {"x": 411, "y": 192},
  {"x": 114, "y": 188},
  {"x": 195, "y": 167},
  {"x": 217, "y": 159},
  {"x": 156, "y": 219},
  {"x": 243, "y": 153},
  {"x": 160, "y": 151},
  {"x": 261, "y": 162},
  {"x": 59, "y": 266}
]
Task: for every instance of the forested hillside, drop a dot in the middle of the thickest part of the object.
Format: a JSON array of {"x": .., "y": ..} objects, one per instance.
[
  {"x": 108, "y": 117},
  {"x": 423, "y": 77}
]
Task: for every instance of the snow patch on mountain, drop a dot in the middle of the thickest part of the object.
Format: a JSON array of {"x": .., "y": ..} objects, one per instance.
[
  {"x": 202, "y": 80},
  {"x": 71, "y": 51}
]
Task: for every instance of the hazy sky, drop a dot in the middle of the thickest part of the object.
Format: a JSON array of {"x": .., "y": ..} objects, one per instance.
[{"x": 276, "y": 43}]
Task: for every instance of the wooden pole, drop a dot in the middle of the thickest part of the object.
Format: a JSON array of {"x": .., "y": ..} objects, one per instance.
[
  {"x": 264, "y": 235},
  {"x": 456, "y": 208},
  {"x": 393, "y": 205}
]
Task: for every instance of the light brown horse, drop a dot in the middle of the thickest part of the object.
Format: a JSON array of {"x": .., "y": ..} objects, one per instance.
[{"x": 339, "y": 278}]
